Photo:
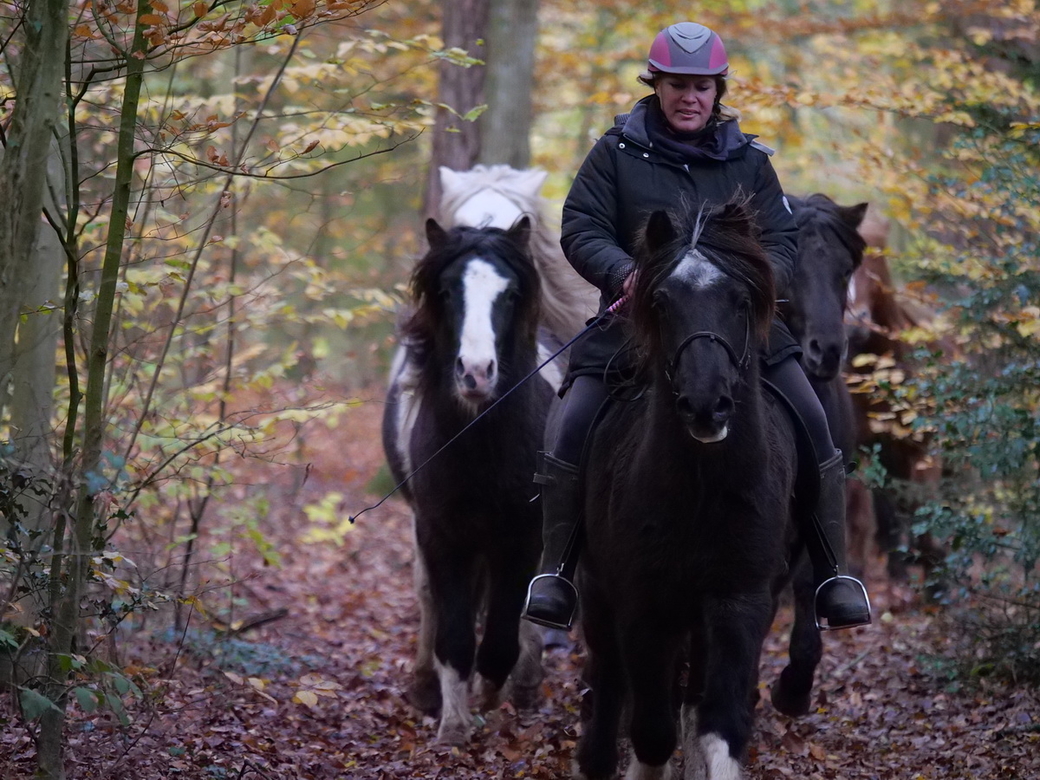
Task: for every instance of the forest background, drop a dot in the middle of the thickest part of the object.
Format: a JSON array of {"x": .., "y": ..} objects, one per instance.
[{"x": 232, "y": 198}]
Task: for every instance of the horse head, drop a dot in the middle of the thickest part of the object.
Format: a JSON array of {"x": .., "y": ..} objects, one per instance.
[
  {"x": 703, "y": 301},
  {"x": 829, "y": 251},
  {"x": 476, "y": 293},
  {"x": 490, "y": 196},
  {"x": 498, "y": 196}
]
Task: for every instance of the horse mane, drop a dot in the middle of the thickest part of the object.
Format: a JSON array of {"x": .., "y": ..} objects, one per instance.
[
  {"x": 819, "y": 212},
  {"x": 567, "y": 300},
  {"x": 729, "y": 236},
  {"x": 419, "y": 329}
]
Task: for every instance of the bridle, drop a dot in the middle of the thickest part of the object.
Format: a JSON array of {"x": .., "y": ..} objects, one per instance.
[{"x": 741, "y": 363}]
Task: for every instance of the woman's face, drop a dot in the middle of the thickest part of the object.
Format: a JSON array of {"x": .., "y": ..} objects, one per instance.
[{"x": 687, "y": 101}]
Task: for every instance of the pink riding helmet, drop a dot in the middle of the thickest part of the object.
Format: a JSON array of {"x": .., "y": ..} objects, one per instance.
[{"x": 688, "y": 48}]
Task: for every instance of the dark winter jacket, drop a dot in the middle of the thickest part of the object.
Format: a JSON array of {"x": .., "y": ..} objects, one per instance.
[{"x": 636, "y": 169}]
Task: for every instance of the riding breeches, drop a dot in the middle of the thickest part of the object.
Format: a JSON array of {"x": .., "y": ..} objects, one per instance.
[
  {"x": 581, "y": 404},
  {"x": 790, "y": 379}
]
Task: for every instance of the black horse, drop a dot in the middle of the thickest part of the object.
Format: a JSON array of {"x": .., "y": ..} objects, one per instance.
[
  {"x": 473, "y": 336},
  {"x": 688, "y": 507},
  {"x": 829, "y": 251}
]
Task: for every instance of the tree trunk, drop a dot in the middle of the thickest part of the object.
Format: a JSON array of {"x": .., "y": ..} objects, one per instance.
[
  {"x": 74, "y": 560},
  {"x": 456, "y": 141},
  {"x": 505, "y": 127},
  {"x": 23, "y": 169}
]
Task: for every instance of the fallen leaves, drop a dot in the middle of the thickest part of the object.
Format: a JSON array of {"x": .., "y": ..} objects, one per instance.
[{"x": 335, "y": 707}]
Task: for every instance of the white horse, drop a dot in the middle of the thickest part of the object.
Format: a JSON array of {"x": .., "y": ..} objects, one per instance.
[{"x": 497, "y": 196}]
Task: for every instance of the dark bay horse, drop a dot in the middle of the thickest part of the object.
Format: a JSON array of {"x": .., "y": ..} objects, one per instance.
[
  {"x": 688, "y": 508},
  {"x": 473, "y": 336},
  {"x": 830, "y": 249},
  {"x": 879, "y": 314}
]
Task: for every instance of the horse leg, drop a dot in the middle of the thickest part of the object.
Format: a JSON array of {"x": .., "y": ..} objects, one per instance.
[
  {"x": 500, "y": 647},
  {"x": 597, "y": 754},
  {"x": 736, "y": 627},
  {"x": 451, "y": 580},
  {"x": 792, "y": 693},
  {"x": 526, "y": 680},
  {"x": 424, "y": 693},
  {"x": 650, "y": 658}
]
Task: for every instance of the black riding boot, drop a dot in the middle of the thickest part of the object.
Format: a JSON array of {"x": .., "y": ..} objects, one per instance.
[
  {"x": 841, "y": 600},
  {"x": 551, "y": 596}
]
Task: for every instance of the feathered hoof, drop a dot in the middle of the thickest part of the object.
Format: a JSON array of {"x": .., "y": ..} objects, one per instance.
[
  {"x": 425, "y": 694},
  {"x": 487, "y": 695},
  {"x": 454, "y": 733},
  {"x": 526, "y": 698}
]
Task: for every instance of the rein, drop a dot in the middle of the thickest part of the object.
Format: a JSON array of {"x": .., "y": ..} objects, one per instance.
[{"x": 614, "y": 307}]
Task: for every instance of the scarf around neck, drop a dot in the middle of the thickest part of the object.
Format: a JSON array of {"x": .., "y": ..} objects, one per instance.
[{"x": 714, "y": 141}]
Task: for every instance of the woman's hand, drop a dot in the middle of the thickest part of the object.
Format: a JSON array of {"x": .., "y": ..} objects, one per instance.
[{"x": 628, "y": 285}]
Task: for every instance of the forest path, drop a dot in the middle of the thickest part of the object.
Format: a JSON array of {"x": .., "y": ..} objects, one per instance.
[{"x": 327, "y": 694}]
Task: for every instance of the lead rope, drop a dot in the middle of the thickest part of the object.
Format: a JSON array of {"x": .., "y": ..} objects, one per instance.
[{"x": 614, "y": 307}]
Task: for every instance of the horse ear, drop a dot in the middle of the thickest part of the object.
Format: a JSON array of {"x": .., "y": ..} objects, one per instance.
[
  {"x": 531, "y": 181},
  {"x": 435, "y": 234},
  {"x": 853, "y": 215},
  {"x": 450, "y": 180},
  {"x": 520, "y": 232},
  {"x": 659, "y": 231}
]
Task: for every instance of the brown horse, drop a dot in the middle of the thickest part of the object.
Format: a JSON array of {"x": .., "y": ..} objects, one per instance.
[{"x": 879, "y": 313}]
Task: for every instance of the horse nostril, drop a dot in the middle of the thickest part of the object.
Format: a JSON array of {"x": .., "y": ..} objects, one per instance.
[
  {"x": 460, "y": 369},
  {"x": 723, "y": 408},
  {"x": 815, "y": 350},
  {"x": 491, "y": 369}
]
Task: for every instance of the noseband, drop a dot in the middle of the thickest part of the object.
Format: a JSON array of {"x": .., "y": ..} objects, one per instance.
[{"x": 740, "y": 363}]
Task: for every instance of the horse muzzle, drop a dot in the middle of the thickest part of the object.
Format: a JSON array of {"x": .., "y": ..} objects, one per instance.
[
  {"x": 821, "y": 360},
  {"x": 475, "y": 382},
  {"x": 707, "y": 422}
]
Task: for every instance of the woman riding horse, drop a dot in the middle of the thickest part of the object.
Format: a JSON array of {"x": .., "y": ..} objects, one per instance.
[{"x": 680, "y": 142}]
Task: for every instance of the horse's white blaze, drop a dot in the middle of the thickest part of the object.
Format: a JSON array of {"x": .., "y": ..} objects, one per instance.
[
  {"x": 405, "y": 375},
  {"x": 697, "y": 270},
  {"x": 482, "y": 285},
  {"x": 640, "y": 771},
  {"x": 488, "y": 209},
  {"x": 720, "y": 764},
  {"x": 456, "y": 721}
]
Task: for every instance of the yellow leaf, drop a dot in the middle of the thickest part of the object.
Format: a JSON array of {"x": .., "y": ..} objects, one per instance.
[{"x": 306, "y": 697}]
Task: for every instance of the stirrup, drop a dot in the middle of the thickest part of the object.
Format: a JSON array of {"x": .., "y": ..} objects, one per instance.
[
  {"x": 550, "y": 622},
  {"x": 857, "y": 584}
]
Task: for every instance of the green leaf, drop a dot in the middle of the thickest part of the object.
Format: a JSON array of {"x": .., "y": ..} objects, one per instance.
[
  {"x": 87, "y": 698},
  {"x": 8, "y": 639},
  {"x": 34, "y": 704}
]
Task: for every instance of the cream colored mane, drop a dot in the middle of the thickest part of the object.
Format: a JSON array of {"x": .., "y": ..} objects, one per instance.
[{"x": 567, "y": 299}]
